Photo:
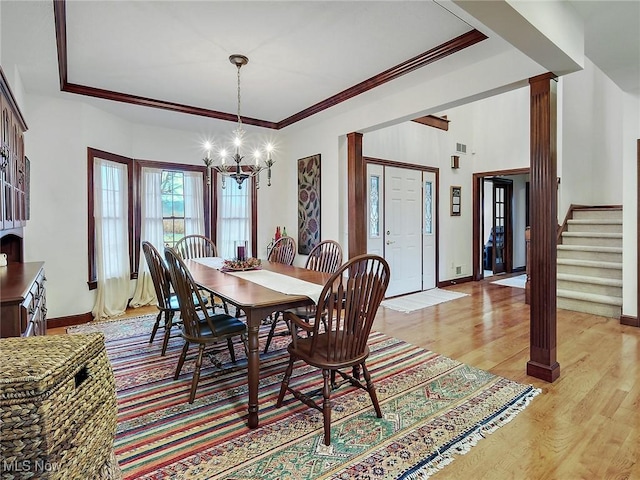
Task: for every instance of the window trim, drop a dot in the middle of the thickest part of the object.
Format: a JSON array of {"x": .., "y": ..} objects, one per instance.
[{"x": 92, "y": 154}]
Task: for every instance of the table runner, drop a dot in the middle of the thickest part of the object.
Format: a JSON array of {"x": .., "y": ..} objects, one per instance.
[
  {"x": 282, "y": 283},
  {"x": 213, "y": 262}
]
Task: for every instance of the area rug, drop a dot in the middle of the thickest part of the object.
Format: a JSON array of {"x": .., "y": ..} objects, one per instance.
[
  {"x": 433, "y": 408},
  {"x": 517, "y": 282},
  {"x": 417, "y": 301}
]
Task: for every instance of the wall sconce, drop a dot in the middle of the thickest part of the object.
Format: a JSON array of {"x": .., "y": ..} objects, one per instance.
[{"x": 455, "y": 161}]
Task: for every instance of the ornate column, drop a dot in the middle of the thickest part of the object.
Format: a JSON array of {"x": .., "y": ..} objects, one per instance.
[{"x": 544, "y": 224}]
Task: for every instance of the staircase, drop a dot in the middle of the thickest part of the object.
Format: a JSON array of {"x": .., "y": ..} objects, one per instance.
[{"x": 590, "y": 262}]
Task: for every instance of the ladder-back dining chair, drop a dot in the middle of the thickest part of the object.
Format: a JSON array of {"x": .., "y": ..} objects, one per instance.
[
  {"x": 349, "y": 301},
  {"x": 199, "y": 325},
  {"x": 324, "y": 257}
]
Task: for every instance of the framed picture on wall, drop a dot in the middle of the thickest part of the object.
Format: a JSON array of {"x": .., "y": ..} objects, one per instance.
[
  {"x": 308, "y": 203},
  {"x": 456, "y": 200}
]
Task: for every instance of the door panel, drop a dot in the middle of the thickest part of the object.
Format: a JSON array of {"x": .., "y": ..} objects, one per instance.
[
  {"x": 403, "y": 229},
  {"x": 502, "y": 200}
]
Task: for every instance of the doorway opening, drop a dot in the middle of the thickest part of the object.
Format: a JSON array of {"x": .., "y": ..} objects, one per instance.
[{"x": 501, "y": 215}]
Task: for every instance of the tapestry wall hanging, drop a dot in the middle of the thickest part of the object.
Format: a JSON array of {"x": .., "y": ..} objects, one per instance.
[{"x": 308, "y": 203}]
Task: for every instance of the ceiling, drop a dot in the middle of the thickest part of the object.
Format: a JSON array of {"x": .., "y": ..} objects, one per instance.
[{"x": 301, "y": 53}]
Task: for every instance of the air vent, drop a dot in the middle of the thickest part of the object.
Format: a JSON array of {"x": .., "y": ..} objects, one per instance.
[{"x": 461, "y": 148}]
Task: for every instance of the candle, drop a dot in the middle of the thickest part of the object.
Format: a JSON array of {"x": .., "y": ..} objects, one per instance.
[{"x": 241, "y": 253}]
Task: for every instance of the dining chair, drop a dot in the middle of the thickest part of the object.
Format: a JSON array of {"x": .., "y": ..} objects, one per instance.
[
  {"x": 196, "y": 246},
  {"x": 166, "y": 298},
  {"x": 199, "y": 324},
  {"x": 350, "y": 300},
  {"x": 283, "y": 251},
  {"x": 324, "y": 257},
  {"x": 199, "y": 246}
]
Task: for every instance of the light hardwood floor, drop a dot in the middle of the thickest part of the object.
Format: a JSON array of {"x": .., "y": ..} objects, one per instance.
[{"x": 585, "y": 425}]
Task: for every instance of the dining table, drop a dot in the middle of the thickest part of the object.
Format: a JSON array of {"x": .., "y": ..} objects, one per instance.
[{"x": 273, "y": 287}]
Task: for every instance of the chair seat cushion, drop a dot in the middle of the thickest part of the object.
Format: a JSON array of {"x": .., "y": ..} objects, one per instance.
[
  {"x": 318, "y": 357},
  {"x": 225, "y": 325},
  {"x": 174, "y": 305}
]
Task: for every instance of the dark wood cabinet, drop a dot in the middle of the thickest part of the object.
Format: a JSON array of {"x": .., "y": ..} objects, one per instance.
[
  {"x": 13, "y": 164},
  {"x": 23, "y": 301}
]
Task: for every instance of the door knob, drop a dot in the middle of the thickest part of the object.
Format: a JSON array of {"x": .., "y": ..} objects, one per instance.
[{"x": 389, "y": 242}]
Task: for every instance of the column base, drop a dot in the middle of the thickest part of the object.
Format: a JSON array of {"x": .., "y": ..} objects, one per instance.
[{"x": 548, "y": 373}]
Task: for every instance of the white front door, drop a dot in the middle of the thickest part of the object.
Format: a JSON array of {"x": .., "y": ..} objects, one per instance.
[{"x": 403, "y": 229}]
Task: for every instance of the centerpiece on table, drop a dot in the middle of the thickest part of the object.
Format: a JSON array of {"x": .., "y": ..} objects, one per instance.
[{"x": 237, "y": 265}]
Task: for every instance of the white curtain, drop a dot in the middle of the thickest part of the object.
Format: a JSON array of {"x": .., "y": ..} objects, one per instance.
[
  {"x": 112, "y": 238},
  {"x": 193, "y": 203},
  {"x": 234, "y": 218},
  {"x": 151, "y": 230}
]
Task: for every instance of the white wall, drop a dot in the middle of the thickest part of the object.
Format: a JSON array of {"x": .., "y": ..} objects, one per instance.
[
  {"x": 60, "y": 130},
  {"x": 630, "y": 135},
  {"x": 62, "y": 127},
  {"x": 592, "y": 140}
]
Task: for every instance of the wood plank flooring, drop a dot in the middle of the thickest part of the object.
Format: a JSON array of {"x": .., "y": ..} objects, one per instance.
[{"x": 585, "y": 425}]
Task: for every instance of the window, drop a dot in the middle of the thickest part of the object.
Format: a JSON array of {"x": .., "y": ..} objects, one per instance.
[
  {"x": 234, "y": 218},
  {"x": 172, "y": 190},
  {"x": 374, "y": 203},
  {"x": 115, "y": 174},
  {"x": 165, "y": 201},
  {"x": 428, "y": 208}
]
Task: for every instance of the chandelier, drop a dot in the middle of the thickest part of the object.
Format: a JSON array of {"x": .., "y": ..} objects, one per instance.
[{"x": 232, "y": 165}]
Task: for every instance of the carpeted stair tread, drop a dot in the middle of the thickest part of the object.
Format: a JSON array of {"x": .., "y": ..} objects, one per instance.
[
  {"x": 594, "y": 221},
  {"x": 613, "y": 282},
  {"x": 592, "y": 234},
  {"x": 589, "y": 263},
  {"x": 590, "y": 297},
  {"x": 591, "y": 248}
]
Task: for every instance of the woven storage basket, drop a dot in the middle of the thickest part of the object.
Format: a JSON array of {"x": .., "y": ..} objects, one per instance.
[{"x": 57, "y": 408}]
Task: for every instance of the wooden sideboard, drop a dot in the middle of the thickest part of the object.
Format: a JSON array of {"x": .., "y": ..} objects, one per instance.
[{"x": 23, "y": 302}]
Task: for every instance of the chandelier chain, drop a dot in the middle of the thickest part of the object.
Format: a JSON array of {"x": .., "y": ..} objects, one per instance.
[{"x": 239, "y": 99}]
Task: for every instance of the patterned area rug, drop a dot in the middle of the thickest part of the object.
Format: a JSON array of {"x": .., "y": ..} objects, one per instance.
[
  {"x": 417, "y": 301},
  {"x": 433, "y": 408}
]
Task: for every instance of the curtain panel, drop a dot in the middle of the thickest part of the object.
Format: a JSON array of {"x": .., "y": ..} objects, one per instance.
[{"x": 112, "y": 240}]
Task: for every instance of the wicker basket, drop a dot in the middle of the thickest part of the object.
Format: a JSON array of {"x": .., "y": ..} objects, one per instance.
[{"x": 57, "y": 408}]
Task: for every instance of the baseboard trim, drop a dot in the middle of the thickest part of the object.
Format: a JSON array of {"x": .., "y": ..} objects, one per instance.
[
  {"x": 69, "y": 320},
  {"x": 630, "y": 320},
  {"x": 457, "y": 281}
]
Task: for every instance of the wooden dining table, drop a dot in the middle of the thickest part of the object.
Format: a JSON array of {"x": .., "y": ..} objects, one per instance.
[{"x": 257, "y": 302}]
